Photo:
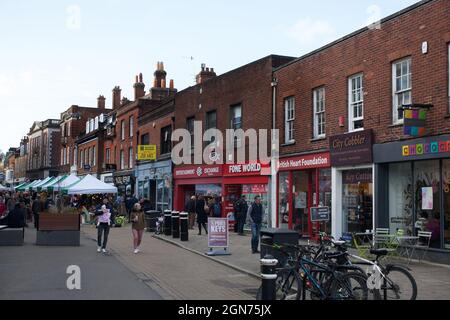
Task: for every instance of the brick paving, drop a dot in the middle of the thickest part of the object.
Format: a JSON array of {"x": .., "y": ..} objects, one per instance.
[
  {"x": 177, "y": 273},
  {"x": 433, "y": 280}
]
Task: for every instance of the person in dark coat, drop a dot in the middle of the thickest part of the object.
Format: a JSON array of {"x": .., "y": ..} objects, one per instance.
[
  {"x": 255, "y": 216},
  {"x": 240, "y": 209},
  {"x": 202, "y": 216},
  {"x": 16, "y": 217},
  {"x": 190, "y": 209},
  {"x": 35, "y": 209}
]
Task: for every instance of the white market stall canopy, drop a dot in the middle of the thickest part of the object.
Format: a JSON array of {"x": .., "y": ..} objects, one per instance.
[
  {"x": 31, "y": 185},
  {"x": 90, "y": 185},
  {"x": 3, "y": 188},
  {"x": 63, "y": 183},
  {"x": 35, "y": 187}
]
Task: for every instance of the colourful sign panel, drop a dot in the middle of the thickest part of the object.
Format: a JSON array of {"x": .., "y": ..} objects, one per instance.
[{"x": 414, "y": 122}]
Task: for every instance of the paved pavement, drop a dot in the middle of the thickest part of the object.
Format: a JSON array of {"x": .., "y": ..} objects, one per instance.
[
  {"x": 433, "y": 280},
  {"x": 178, "y": 273},
  {"x": 36, "y": 272}
]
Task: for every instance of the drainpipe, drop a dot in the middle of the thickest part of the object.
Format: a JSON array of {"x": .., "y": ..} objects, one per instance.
[{"x": 274, "y": 159}]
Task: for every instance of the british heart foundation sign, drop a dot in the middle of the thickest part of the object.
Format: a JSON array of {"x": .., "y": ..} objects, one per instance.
[{"x": 351, "y": 148}]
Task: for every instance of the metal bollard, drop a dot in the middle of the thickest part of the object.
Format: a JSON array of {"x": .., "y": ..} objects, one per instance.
[
  {"x": 167, "y": 222},
  {"x": 268, "y": 277},
  {"x": 175, "y": 224},
  {"x": 184, "y": 226}
]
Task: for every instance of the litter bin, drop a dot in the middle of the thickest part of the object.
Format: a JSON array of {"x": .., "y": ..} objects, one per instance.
[
  {"x": 271, "y": 236},
  {"x": 167, "y": 223},
  {"x": 150, "y": 220}
]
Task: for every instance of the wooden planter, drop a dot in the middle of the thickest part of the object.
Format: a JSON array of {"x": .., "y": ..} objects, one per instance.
[{"x": 58, "y": 229}]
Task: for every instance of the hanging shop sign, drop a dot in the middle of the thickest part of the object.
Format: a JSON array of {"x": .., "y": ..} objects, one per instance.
[
  {"x": 414, "y": 118},
  {"x": 351, "y": 148}
]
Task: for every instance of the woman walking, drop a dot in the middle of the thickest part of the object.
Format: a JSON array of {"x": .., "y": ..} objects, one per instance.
[
  {"x": 202, "y": 216},
  {"x": 138, "y": 226},
  {"x": 103, "y": 225}
]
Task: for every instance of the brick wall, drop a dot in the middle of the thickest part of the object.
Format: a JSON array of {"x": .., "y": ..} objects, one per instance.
[{"x": 372, "y": 52}]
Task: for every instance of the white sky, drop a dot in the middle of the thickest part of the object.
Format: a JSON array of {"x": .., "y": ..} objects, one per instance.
[{"x": 57, "y": 53}]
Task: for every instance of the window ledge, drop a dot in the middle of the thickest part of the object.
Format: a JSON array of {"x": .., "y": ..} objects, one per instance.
[
  {"x": 288, "y": 144},
  {"x": 318, "y": 139},
  {"x": 447, "y": 116},
  {"x": 395, "y": 125}
]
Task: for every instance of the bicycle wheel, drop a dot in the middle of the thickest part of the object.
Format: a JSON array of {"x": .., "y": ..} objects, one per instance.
[
  {"x": 399, "y": 284},
  {"x": 349, "y": 286},
  {"x": 288, "y": 286}
]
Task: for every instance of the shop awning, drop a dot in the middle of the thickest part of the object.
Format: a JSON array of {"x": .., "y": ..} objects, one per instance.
[
  {"x": 63, "y": 183},
  {"x": 38, "y": 185},
  {"x": 90, "y": 185}
]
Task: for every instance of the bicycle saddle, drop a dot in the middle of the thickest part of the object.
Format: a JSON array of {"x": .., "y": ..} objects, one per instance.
[{"x": 379, "y": 252}]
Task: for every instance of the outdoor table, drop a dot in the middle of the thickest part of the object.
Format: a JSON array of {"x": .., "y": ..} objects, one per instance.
[{"x": 406, "y": 245}]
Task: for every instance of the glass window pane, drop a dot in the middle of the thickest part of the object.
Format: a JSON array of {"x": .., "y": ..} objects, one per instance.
[
  {"x": 401, "y": 198},
  {"x": 446, "y": 187},
  {"x": 427, "y": 182}
]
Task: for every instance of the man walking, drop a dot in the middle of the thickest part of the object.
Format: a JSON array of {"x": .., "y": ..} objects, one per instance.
[
  {"x": 240, "y": 209},
  {"x": 190, "y": 209},
  {"x": 255, "y": 217}
]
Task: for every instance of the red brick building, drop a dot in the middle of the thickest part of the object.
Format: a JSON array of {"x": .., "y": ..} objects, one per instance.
[
  {"x": 336, "y": 103},
  {"x": 75, "y": 123},
  {"x": 238, "y": 99},
  {"x": 124, "y": 133}
]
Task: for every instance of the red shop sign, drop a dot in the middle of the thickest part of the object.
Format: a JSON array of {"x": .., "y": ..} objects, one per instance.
[
  {"x": 190, "y": 172},
  {"x": 309, "y": 161},
  {"x": 247, "y": 169}
]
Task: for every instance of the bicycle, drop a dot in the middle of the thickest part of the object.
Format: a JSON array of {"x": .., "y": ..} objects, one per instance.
[
  {"x": 323, "y": 280},
  {"x": 387, "y": 282}
]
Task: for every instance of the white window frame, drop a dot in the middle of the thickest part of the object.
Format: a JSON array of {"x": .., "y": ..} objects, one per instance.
[
  {"x": 107, "y": 155},
  {"x": 131, "y": 127},
  {"x": 93, "y": 156},
  {"x": 75, "y": 156},
  {"x": 354, "y": 102},
  {"x": 402, "y": 91},
  {"x": 317, "y": 112},
  {"x": 289, "y": 119},
  {"x": 130, "y": 158},
  {"x": 122, "y": 130},
  {"x": 122, "y": 159}
]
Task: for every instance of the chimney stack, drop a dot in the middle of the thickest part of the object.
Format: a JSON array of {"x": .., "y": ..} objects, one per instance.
[
  {"x": 116, "y": 97},
  {"x": 101, "y": 102},
  {"x": 139, "y": 87},
  {"x": 205, "y": 74},
  {"x": 160, "y": 75}
]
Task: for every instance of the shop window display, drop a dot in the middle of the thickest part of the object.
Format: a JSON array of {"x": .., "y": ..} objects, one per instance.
[
  {"x": 401, "y": 198},
  {"x": 446, "y": 192},
  {"x": 427, "y": 193},
  {"x": 283, "y": 205}
]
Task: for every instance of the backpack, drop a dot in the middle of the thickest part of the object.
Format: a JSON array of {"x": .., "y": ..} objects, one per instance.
[{"x": 216, "y": 210}]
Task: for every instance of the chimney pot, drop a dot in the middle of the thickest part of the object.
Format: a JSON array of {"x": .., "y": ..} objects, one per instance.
[
  {"x": 207, "y": 69},
  {"x": 162, "y": 66},
  {"x": 212, "y": 69},
  {"x": 140, "y": 77},
  {"x": 137, "y": 80},
  {"x": 171, "y": 84},
  {"x": 163, "y": 83}
]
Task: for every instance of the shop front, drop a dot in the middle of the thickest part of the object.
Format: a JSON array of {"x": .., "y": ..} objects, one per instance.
[
  {"x": 224, "y": 181},
  {"x": 251, "y": 180},
  {"x": 413, "y": 188},
  {"x": 203, "y": 180},
  {"x": 125, "y": 183},
  {"x": 304, "y": 182},
  {"x": 107, "y": 178},
  {"x": 154, "y": 182},
  {"x": 352, "y": 183}
]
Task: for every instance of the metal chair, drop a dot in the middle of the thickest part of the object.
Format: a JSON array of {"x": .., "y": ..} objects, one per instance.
[
  {"x": 363, "y": 249},
  {"x": 423, "y": 243}
]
